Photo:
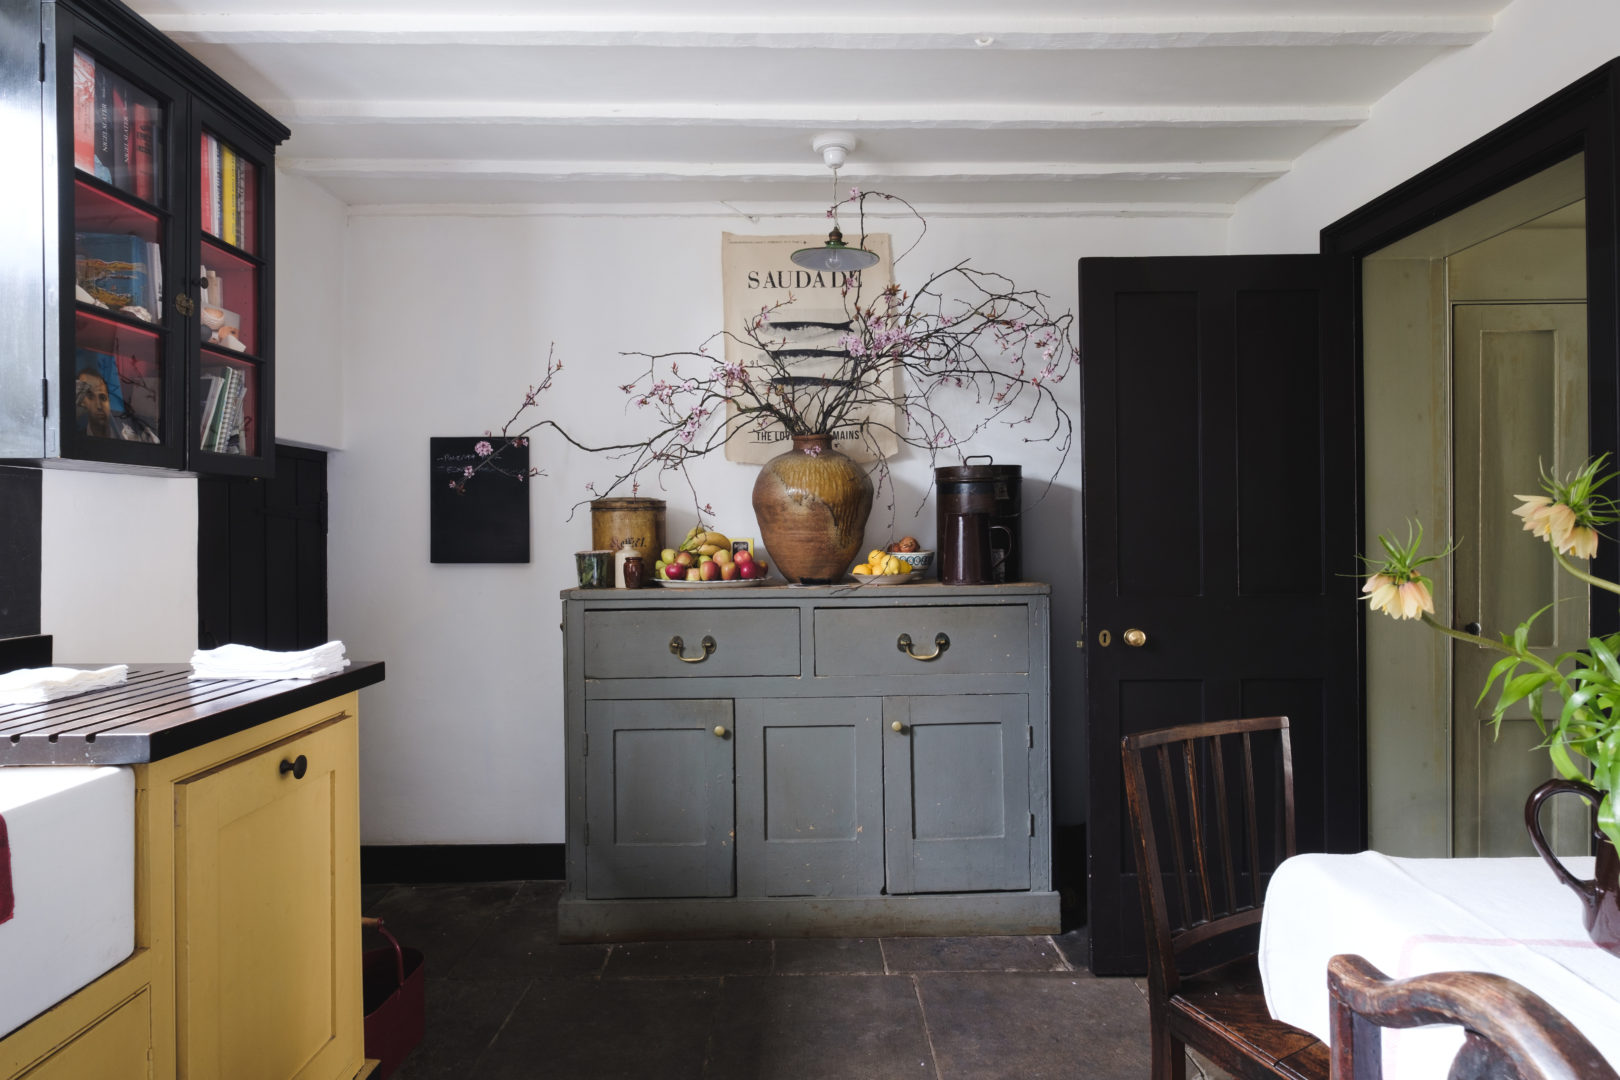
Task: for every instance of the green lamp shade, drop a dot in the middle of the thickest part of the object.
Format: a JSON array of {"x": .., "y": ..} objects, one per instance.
[{"x": 834, "y": 255}]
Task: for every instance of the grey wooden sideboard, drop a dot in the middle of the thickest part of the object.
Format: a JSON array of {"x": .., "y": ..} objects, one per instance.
[{"x": 785, "y": 761}]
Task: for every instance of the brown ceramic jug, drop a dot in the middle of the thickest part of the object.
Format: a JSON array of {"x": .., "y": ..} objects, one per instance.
[{"x": 1601, "y": 896}]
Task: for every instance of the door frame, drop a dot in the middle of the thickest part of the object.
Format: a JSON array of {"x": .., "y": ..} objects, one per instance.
[{"x": 1582, "y": 117}]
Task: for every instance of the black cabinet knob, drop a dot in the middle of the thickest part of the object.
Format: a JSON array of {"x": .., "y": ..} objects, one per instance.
[
  {"x": 297, "y": 767},
  {"x": 1473, "y": 628}
]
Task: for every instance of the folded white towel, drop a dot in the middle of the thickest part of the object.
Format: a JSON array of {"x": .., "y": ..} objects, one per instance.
[
  {"x": 246, "y": 662},
  {"x": 29, "y": 686}
]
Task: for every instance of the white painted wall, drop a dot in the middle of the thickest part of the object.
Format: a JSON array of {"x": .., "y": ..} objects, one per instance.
[
  {"x": 310, "y": 227},
  {"x": 449, "y": 320},
  {"x": 118, "y": 569},
  {"x": 1537, "y": 48}
]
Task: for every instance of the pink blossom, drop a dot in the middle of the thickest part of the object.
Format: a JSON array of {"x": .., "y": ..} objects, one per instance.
[
  {"x": 467, "y": 471},
  {"x": 813, "y": 451},
  {"x": 482, "y": 449}
]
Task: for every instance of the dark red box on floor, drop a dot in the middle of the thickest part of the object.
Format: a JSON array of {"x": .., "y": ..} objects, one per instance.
[{"x": 395, "y": 1002}]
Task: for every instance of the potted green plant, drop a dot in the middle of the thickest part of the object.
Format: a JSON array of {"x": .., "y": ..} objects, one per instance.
[{"x": 1584, "y": 735}]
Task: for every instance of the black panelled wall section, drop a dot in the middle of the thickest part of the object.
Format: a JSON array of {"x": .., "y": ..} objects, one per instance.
[
  {"x": 261, "y": 556},
  {"x": 19, "y": 551}
]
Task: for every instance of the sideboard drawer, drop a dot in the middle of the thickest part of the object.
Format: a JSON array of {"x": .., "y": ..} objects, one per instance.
[
  {"x": 637, "y": 644},
  {"x": 983, "y": 640}
]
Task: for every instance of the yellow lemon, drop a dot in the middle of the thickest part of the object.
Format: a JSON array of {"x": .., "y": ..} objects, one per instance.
[{"x": 862, "y": 569}]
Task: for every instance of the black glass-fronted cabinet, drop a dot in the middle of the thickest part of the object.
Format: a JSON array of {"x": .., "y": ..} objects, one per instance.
[{"x": 155, "y": 349}]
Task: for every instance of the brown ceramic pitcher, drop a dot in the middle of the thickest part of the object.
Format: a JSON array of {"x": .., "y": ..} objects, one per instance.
[{"x": 1601, "y": 896}]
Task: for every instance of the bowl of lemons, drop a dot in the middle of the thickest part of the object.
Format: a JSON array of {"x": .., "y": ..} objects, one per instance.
[{"x": 884, "y": 568}]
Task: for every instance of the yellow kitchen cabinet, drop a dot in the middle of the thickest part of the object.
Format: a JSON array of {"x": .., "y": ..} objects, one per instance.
[
  {"x": 247, "y": 906},
  {"x": 267, "y": 910}
]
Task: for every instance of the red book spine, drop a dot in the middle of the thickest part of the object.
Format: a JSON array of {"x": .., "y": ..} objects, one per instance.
[
  {"x": 84, "y": 111},
  {"x": 207, "y": 187},
  {"x": 142, "y": 144}
]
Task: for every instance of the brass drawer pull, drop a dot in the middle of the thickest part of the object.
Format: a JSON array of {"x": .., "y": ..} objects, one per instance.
[
  {"x": 677, "y": 646},
  {"x": 298, "y": 767},
  {"x": 941, "y": 643}
]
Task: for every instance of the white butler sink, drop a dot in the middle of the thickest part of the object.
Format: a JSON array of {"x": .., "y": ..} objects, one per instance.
[{"x": 72, "y": 835}]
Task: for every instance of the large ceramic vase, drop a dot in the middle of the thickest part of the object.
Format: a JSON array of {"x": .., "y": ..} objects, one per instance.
[
  {"x": 812, "y": 504},
  {"x": 1600, "y": 897}
]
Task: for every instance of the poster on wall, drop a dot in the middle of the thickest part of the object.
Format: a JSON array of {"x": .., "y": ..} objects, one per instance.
[
  {"x": 758, "y": 272},
  {"x": 488, "y": 522}
]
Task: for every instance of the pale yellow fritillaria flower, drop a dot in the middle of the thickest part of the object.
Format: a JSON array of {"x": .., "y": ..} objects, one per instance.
[
  {"x": 1534, "y": 510},
  {"x": 1415, "y": 600},
  {"x": 1581, "y": 542},
  {"x": 1384, "y": 595}
]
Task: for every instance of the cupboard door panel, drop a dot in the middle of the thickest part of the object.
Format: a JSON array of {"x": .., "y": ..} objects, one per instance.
[
  {"x": 956, "y": 793},
  {"x": 658, "y": 793},
  {"x": 113, "y": 1048},
  {"x": 267, "y": 913},
  {"x": 809, "y": 797}
]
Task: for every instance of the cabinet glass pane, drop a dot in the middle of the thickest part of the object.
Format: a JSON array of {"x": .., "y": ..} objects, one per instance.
[
  {"x": 230, "y": 195},
  {"x": 118, "y": 379},
  {"x": 229, "y": 390},
  {"x": 229, "y": 301},
  {"x": 118, "y": 129}
]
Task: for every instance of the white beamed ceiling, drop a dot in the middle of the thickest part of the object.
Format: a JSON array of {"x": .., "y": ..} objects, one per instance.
[{"x": 1026, "y": 106}]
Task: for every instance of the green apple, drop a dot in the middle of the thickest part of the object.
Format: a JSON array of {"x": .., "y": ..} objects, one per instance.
[{"x": 667, "y": 555}]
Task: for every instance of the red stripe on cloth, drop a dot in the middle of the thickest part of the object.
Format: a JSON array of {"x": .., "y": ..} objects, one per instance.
[{"x": 7, "y": 901}]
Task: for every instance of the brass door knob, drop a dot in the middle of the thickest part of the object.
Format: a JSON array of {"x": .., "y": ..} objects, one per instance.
[
  {"x": 1135, "y": 638},
  {"x": 897, "y": 726},
  {"x": 720, "y": 730}
]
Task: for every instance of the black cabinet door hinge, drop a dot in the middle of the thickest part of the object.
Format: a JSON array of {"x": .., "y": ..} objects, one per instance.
[
  {"x": 45, "y": 397},
  {"x": 42, "y": 61}
]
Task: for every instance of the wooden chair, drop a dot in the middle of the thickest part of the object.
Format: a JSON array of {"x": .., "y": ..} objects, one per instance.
[
  {"x": 1511, "y": 1033},
  {"x": 1214, "y": 808}
]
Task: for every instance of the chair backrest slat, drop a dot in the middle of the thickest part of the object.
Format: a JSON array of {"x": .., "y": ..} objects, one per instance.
[
  {"x": 1251, "y": 815},
  {"x": 1195, "y": 816},
  {"x": 1168, "y": 777},
  {"x": 1218, "y": 761}
]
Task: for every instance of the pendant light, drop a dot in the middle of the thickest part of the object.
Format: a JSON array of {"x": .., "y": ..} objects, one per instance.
[{"x": 834, "y": 255}]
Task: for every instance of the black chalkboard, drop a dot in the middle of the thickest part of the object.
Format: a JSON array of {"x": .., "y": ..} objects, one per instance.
[{"x": 488, "y": 520}]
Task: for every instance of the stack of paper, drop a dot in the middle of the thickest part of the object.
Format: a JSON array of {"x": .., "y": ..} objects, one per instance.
[
  {"x": 29, "y": 686},
  {"x": 246, "y": 662}
]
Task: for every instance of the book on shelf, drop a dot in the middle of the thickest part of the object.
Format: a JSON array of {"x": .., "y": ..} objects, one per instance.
[
  {"x": 222, "y": 419},
  {"x": 143, "y": 152},
  {"x": 117, "y": 271},
  {"x": 227, "y": 183},
  {"x": 123, "y": 111},
  {"x": 102, "y": 163},
  {"x": 217, "y": 226},
  {"x": 212, "y": 385},
  {"x": 84, "y": 111}
]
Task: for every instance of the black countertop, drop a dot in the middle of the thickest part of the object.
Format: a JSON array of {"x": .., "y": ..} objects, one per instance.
[{"x": 159, "y": 712}]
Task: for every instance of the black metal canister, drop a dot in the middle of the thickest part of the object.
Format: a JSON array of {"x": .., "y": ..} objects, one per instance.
[{"x": 969, "y": 494}]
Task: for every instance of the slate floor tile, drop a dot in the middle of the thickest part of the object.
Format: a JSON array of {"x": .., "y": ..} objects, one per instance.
[
  {"x": 838, "y": 1027},
  {"x": 1073, "y": 944},
  {"x": 1035, "y": 1026},
  {"x": 687, "y": 959},
  {"x": 634, "y": 1029},
  {"x": 463, "y": 1015},
  {"x": 521, "y": 940},
  {"x": 972, "y": 954},
  {"x": 441, "y": 920},
  {"x": 828, "y": 956}
]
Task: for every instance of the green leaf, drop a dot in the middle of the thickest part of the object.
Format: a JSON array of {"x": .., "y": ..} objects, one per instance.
[{"x": 1606, "y": 656}]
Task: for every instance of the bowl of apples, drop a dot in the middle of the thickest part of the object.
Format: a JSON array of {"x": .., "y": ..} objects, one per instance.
[
  {"x": 708, "y": 559},
  {"x": 908, "y": 551}
]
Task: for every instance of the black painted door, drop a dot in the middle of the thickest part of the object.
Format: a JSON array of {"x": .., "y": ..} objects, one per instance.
[
  {"x": 1220, "y": 516},
  {"x": 261, "y": 555}
]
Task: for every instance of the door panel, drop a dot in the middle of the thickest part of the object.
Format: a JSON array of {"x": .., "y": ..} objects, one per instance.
[
  {"x": 809, "y": 797},
  {"x": 658, "y": 798},
  {"x": 956, "y": 793},
  {"x": 1520, "y": 372},
  {"x": 1219, "y": 519}
]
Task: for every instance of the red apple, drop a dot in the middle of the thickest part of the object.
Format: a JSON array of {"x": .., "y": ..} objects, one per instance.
[
  {"x": 675, "y": 571},
  {"x": 750, "y": 570},
  {"x": 730, "y": 571},
  {"x": 741, "y": 555},
  {"x": 685, "y": 558},
  {"x": 711, "y": 570}
]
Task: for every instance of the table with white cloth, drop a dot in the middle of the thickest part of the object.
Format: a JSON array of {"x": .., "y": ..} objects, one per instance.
[{"x": 1415, "y": 916}]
